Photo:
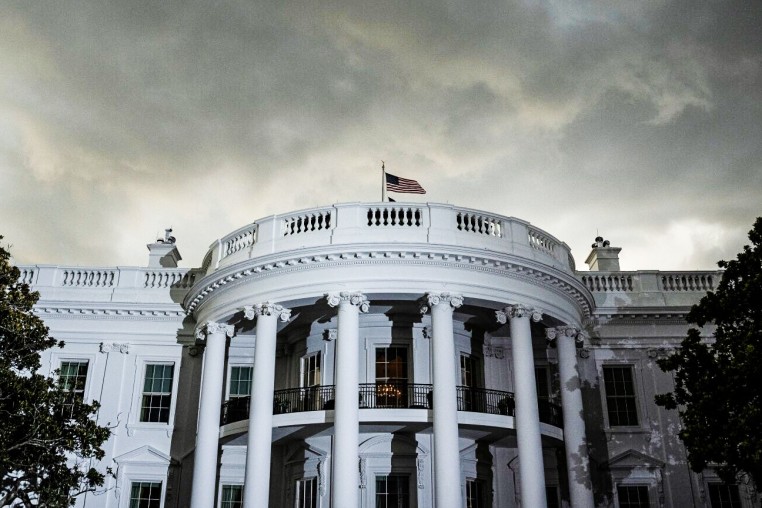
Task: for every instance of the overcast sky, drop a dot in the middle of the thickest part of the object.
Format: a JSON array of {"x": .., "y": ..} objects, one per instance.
[{"x": 638, "y": 120}]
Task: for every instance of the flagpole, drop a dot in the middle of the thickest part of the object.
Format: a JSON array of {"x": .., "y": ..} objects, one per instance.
[{"x": 383, "y": 182}]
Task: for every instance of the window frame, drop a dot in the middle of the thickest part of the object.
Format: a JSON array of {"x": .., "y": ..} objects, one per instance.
[
  {"x": 638, "y": 392},
  {"x": 221, "y": 495},
  {"x": 648, "y": 489},
  {"x": 315, "y": 482},
  {"x": 230, "y": 394},
  {"x": 81, "y": 394},
  {"x": 140, "y": 479},
  {"x": 140, "y": 365},
  {"x": 395, "y": 474},
  {"x": 304, "y": 361}
]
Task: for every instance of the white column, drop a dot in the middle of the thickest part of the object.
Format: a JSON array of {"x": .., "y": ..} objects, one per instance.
[
  {"x": 345, "y": 478},
  {"x": 208, "y": 433},
  {"x": 447, "y": 492},
  {"x": 256, "y": 487},
  {"x": 566, "y": 339},
  {"x": 532, "y": 471}
]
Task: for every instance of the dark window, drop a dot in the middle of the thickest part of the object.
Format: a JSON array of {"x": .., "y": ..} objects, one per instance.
[
  {"x": 306, "y": 493},
  {"x": 72, "y": 377},
  {"x": 145, "y": 495},
  {"x": 232, "y": 496},
  {"x": 551, "y": 494},
  {"x": 392, "y": 491},
  {"x": 240, "y": 381},
  {"x": 633, "y": 496},
  {"x": 620, "y": 396},
  {"x": 157, "y": 393},
  {"x": 722, "y": 495},
  {"x": 475, "y": 493}
]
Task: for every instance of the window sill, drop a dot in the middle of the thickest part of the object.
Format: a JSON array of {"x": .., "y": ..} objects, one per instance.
[
  {"x": 149, "y": 426},
  {"x": 626, "y": 430}
]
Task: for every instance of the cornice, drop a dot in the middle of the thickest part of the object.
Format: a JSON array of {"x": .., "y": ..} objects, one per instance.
[
  {"x": 68, "y": 311},
  {"x": 546, "y": 277}
]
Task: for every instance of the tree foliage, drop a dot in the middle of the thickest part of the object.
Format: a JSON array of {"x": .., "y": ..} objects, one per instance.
[
  {"x": 49, "y": 439},
  {"x": 717, "y": 385}
]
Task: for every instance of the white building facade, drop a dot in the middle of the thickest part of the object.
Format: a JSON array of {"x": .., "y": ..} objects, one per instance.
[{"x": 381, "y": 355}]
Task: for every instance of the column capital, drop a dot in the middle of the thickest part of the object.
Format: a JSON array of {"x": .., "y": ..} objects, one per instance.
[
  {"x": 266, "y": 309},
  {"x": 517, "y": 311},
  {"x": 556, "y": 332},
  {"x": 452, "y": 300},
  {"x": 211, "y": 327},
  {"x": 355, "y": 298}
]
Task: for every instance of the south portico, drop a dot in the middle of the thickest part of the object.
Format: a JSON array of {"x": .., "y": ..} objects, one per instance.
[{"x": 345, "y": 473}]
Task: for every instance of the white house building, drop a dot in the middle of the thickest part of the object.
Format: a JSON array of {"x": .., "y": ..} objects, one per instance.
[{"x": 381, "y": 355}]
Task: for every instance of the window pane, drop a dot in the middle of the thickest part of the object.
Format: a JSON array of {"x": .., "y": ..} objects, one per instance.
[
  {"x": 157, "y": 393},
  {"x": 620, "y": 396},
  {"x": 306, "y": 493},
  {"x": 722, "y": 495},
  {"x": 633, "y": 496},
  {"x": 72, "y": 377},
  {"x": 232, "y": 496},
  {"x": 475, "y": 493},
  {"x": 392, "y": 491},
  {"x": 311, "y": 370},
  {"x": 145, "y": 495},
  {"x": 240, "y": 381}
]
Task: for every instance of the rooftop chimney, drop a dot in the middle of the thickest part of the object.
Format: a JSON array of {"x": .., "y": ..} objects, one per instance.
[
  {"x": 163, "y": 252},
  {"x": 603, "y": 257}
]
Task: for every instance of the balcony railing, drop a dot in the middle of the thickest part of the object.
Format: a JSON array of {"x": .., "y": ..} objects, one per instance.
[{"x": 388, "y": 395}]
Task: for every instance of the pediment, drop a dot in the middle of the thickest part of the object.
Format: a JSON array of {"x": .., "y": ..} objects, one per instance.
[
  {"x": 632, "y": 459},
  {"x": 144, "y": 455}
]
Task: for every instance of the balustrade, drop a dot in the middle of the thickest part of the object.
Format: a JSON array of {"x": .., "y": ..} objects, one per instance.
[
  {"x": 388, "y": 395},
  {"x": 479, "y": 223},
  {"x": 307, "y": 222},
  {"x": 76, "y": 277},
  {"x": 395, "y": 216}
]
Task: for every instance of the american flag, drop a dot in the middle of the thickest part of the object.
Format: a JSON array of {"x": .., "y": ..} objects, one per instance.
[{"x": 404, "y": 185}]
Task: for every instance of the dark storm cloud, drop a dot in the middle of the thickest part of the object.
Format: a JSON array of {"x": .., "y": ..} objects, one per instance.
[{"x": 641, "y": 120}]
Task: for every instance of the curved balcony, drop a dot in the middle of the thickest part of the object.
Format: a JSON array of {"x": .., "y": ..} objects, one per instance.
[
  {"x": 373, "y": 223},
  {"x": 388, "y": 395}
]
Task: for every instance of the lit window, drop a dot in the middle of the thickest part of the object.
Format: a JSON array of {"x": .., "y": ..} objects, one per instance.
[
  {"x": 391, "y": 377},
  {"x": 475, "y": 493},
  {"x": 306, "y": 493},
  {"x": 722, "y": 495},
  {"x": 232, "y": 496},
  {"x": 620, "y": 396},
  {"x": 72, "y": 377},
  {"x": 157, "y": 393},
  {"x": 240, "y": 381},
  {"x": 145, "y": 495},
  {"x": 392, "y": 491},
  {"x": 633, "y": 496}
]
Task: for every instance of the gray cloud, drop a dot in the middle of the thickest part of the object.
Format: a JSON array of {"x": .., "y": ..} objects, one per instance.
[{"x": 639, "y": 120}]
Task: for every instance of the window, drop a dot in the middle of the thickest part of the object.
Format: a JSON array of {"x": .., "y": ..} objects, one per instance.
[
  {"x": 232, "y": 496},
  {"x": 633, "y": 496},
  {"x": 475, "y": 493},
  {"x": 620, "y": 396},
  {"x": 722, "y": 495},
  {"x": 157, "y": 393},
  {"x": 468, "y": 371},
  {"x": 311, "y": 370},
  {"x": 306, "y": 493},
  {"x": 72, "y": 377},
  {"x": 552, "y": 496},
  {"x": 391, "y": 377},
  {"x": 145, "y": 495},
  {"x": 392, "y": 491},
  {"x": 240, "y": 381}
]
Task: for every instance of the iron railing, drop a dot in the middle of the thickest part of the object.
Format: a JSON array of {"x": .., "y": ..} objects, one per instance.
[{"x": 389, "y": 394}]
